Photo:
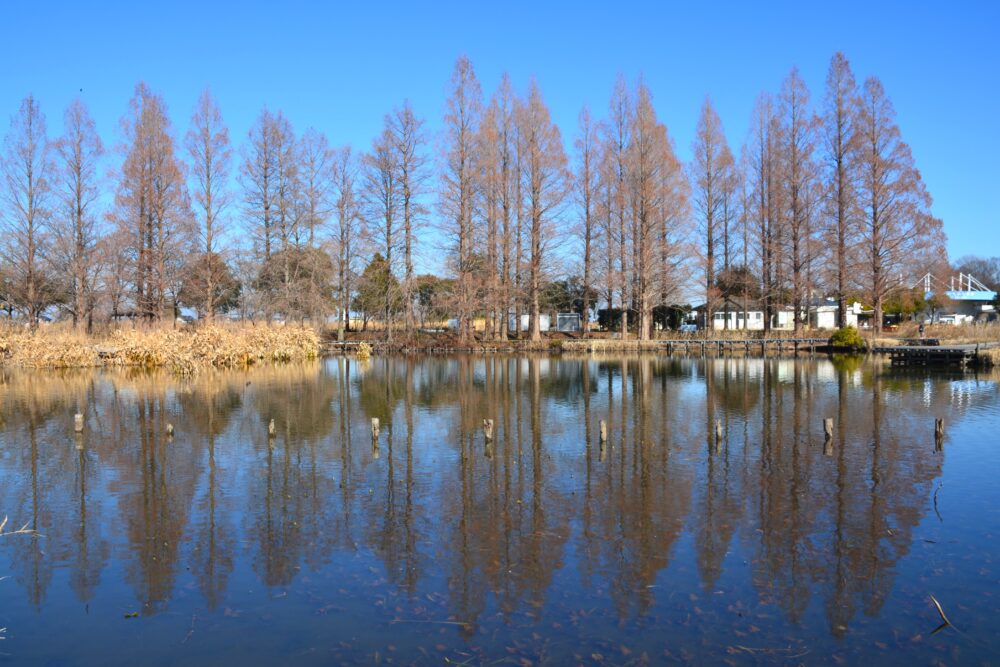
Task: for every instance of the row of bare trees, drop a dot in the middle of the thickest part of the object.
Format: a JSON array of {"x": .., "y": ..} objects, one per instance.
[{"x": 819, "y": 202}]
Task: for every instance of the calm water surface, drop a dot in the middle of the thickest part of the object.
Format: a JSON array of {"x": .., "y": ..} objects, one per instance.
[{"x": 666, "y": 545}]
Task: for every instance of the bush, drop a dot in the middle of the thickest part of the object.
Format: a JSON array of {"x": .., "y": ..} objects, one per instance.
[{"x": 849, "y": 338}]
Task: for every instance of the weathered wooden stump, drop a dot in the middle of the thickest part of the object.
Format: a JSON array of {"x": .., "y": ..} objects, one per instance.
[
  {"x": 78, "y": 422},
  {"x": 488, "y": 429},
  {"x": 938, "y": 435},
  {"x": 375, "y": 429},
  {"x": 828, "y": 427},
  {"x": 604, "y": 431},
  {"x": 170, "y": 430}
]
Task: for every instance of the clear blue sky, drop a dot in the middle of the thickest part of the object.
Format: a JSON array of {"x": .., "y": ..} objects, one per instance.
[{"x": 340, "y": 68}]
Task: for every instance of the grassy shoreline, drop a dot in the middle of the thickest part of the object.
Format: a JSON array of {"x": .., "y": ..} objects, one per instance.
[{"x": 230, "y": 345}]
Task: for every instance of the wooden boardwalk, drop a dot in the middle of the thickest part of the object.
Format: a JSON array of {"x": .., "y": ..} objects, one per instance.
[
  {"x": 960, "y": 355},
  {"x": 747, "y": 346}
]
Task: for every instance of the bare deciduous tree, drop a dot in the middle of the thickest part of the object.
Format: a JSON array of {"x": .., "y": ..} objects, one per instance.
[
  {"x": 27, "y": 172},
  {"x": 347, "y": 232},
  {"x": 208, "y": 147},
  {"x": 258, "y": 179},
  {"x": 408, "y": 142},
  {"x": 545, "y": 183},
  {"x": 586, "y": 188},
  {"x": 458, "y": 183},
  {"x": 152, "y": 208},
  {"x": 76, "y": 251},
  {"x": 708, "y": 173},
  {"x": 840, "y": 151},
  {"x": 798, "y": 141},
  {"x": 897, "y": 230}
]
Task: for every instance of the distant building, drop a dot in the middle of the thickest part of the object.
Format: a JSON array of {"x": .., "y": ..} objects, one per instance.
[
  {"x": 818, "y": 314},
  {"x": 569, "y": 322},
  {"x": 544, "y": 322},
  {"x": 969, "y": 299},
  {"x": 733, "y": 316}
]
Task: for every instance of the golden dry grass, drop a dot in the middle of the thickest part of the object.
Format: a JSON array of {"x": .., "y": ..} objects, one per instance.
[
  {"x": 965, "y": 333},
  {"x": 182, "y": 350}
]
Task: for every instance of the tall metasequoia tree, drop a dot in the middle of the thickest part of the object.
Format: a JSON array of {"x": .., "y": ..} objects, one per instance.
[
  {"x": 380, "y": 189},
  {"x": 151, "y": 206},
  {"x": 315, "y": 178},
  {"x": 728, "y": 228},
  {"x": 79, "y": 152},
  {"x": 408, "y": 143},
  {"x": 708, "y": 174},
  {"x": 313, "y": 210},
  {"x": 347, "y": 232},
  {"x": 762, "y": 175},
  {"x": 545, "y": 186},
  {"x": 259, "y": 181},
  {"x": 616, "y": 142},
  {"x": 674, "y": 214},
  {"x": 287, "y": 184},
  {"x": 656, "y": 201},
  {"x": 607, "y": 223},
  {"x": 208, "y": 148},
  {"x": 381, "y": 193},
  {"x": 840, "y": 151},
  {"x": 586, "y": 189},
  {"x": 798, "y": 141},
  {"x": 489, "y": 195},
  {"x": 504, "y": 103},
  {"x": 497, "y": 176},
  {"x": 458, "y": 184},
  {"x": 897, "y": 230},
  {"x": 271, "y": 195},
  {"x": 27, "y": 185},
  {"x": 649, "y": 155}
]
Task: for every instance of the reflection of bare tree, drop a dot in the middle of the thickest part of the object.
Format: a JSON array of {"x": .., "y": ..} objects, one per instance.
[
  {"x": 718, "y": 507},
  {"x": 511, "y": 515},
  {"x": 291, "y": 483},
  {"x": 639, "y": 497},
  {"x": 836, "y": 524},
  {"x": 494, "y": 521},
  {"x": 156, "y": 497},
  {"x": 393, "y": 532}
]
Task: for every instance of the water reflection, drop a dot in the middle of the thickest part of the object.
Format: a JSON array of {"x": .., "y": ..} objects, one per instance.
[{"x": 716, "y": 465}]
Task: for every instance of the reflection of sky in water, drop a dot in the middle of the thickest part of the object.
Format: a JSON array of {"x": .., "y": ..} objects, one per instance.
[{"x": 665, "y": 544}]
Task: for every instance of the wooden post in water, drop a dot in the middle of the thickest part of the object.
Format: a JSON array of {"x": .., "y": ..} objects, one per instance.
[
  {"x": 828, "y": 436},
  {"x": 271, "y": 429},
  {"x": 170, "y": 430},
  {"x": 938, "y": 435},
  {"x": 375, "y": 429},
  {"x": 78, "y": 422},
  {"x": 604, "y": 431},
  {"x": 718, "y": 436},
  {"x": 488, "y": 429}
]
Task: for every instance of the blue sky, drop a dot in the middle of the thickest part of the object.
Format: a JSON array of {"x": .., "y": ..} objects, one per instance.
[{"x": 340, "y": 67}]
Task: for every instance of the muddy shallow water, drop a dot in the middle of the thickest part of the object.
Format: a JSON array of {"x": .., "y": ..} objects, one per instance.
[{"x": 667, "y": 544}]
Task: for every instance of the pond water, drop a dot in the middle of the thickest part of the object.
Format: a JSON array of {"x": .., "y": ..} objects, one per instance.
[{"x": 668, "y": 544}]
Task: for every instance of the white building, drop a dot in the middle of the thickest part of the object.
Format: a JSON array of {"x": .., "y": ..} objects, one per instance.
[
  {"x": 544, "y": 322},
  {"x": 820, "y": 314},
  {"x": 754, "y": 320}
]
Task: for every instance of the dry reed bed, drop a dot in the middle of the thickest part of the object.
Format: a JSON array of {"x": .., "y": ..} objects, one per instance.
[{"x": 181, "y": 350}]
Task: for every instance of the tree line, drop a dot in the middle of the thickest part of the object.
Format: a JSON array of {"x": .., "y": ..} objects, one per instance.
[{"x": 820, "y": 200}]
